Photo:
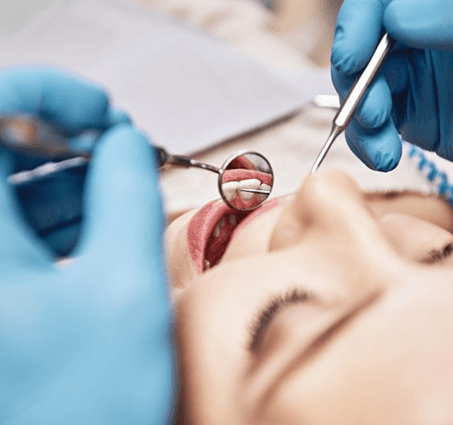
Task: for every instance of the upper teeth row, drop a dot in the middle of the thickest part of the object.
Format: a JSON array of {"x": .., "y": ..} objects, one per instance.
[
  {"x": 231, "y": 188},
  {"x": 232, "y": 219}
]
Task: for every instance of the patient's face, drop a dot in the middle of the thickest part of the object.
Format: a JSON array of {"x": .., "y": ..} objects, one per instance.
[{"x": 329, "y": 307}]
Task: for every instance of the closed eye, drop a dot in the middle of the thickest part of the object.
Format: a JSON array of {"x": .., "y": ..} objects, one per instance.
[
  {"x": 438, "y": 255},
  {"x": 265, "y": 316}
]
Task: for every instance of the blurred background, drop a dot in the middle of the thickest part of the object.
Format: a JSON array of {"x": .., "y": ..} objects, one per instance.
[
  {"x": 202, "y": 77},
  {"x": 308, "y": 23}
]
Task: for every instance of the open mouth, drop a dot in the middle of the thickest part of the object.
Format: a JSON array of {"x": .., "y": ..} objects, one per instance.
[
  {"x": 212, "y": 227},
  {"x": 209, "y": 233}
]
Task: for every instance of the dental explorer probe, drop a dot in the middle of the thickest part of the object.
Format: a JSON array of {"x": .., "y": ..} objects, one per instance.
[{"x": 355, "y": 95}]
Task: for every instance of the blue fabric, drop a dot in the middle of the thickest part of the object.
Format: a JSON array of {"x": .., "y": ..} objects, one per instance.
[
  {"x": 90, "y": 343},
  {"x": 437, "y": 178},
  {"x": 413, "y": 95}
]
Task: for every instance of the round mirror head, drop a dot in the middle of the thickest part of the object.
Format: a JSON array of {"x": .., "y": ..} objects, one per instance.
[{"x": 246, "y": 180}]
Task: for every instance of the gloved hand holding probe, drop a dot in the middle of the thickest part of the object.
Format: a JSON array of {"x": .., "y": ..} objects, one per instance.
[
  {"x": 91, "y": 342},
  {"x": 413, "y": 96}
]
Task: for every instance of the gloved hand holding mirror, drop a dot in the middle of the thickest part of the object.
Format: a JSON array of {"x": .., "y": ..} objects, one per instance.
[{"x": 95, "y": 336}]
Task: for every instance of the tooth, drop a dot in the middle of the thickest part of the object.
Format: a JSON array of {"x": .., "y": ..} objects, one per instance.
[
  {"x": 229, "y": 189},
  {"x": 233, "y": 220},
  {"x": 248, "y": 184},
  {"x": 207, "y": 264},
  {"x": 216, "y": 232},
  {"x": 263, "y": 196},
  {"x": 221, "y": 223}
]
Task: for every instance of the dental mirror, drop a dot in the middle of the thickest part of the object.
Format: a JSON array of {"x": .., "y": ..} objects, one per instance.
[{"x": 245, "y": 180}]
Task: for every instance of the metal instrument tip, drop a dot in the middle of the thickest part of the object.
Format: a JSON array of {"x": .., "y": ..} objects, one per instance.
[{"x": 264, "y": 192}]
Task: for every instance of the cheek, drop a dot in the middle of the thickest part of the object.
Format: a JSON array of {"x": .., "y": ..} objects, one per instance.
[
  {"x": 390, "y": 366},
  {"x": 180, "y": 266},
  {"x": 412, "y": 237},
  {"x": 288, "y": 230}
]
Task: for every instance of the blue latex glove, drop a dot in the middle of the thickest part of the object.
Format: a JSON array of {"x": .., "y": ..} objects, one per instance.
[
  {"x": 413, "y": 95},
  {"x": 53, "y": 206},
  {"x": 90, "y": 343}
]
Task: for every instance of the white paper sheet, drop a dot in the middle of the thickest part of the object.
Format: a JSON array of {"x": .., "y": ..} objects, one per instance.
[{"x": 186, "y": 89}]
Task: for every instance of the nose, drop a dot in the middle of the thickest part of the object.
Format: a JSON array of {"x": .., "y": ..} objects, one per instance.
[{"x": 329, "y": 203}]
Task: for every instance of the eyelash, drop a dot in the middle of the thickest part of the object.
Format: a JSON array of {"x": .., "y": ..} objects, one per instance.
[
  {"x": 265, "y": 316},
  {"x": 437, "y": 255}
]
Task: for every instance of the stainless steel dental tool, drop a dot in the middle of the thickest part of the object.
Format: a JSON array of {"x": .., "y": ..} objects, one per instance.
[
  {"x": 245, "y": 180},
  {"x": 355, "y": 95}
]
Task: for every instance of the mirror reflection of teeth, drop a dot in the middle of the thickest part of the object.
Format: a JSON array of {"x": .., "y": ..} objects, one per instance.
[
  {"x": 231, "y": 188},
  {"x": 248, "y": 184},
  {"x": 263, "y": 196}
]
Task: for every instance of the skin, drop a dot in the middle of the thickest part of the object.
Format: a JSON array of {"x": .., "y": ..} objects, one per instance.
[{"x": 370, "y": 346}]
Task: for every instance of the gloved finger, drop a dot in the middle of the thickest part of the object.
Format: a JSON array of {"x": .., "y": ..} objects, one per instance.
[
  {"x": 342, "y": 82},
  {"x": 19, "y": 245},
  {"x": 420, "y": 112},
  {"x": 376, "y": 106},
  {"x": 121, "y": 254},
  {"x": 357, "y": 33},
  {"x": 379, "y": 149},
  {"x": 63, "y": 99},
  {"x": 421, "y": 23},
  {"x": 123, "y": 209},
  {"x": 118, "y": 116},
  {"x": 395, "y": 70}
]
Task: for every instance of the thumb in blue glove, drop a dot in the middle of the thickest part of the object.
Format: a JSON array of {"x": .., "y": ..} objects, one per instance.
[
  {"x": 412, "y": 96},
  {"x": 90, "y": 343}
]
